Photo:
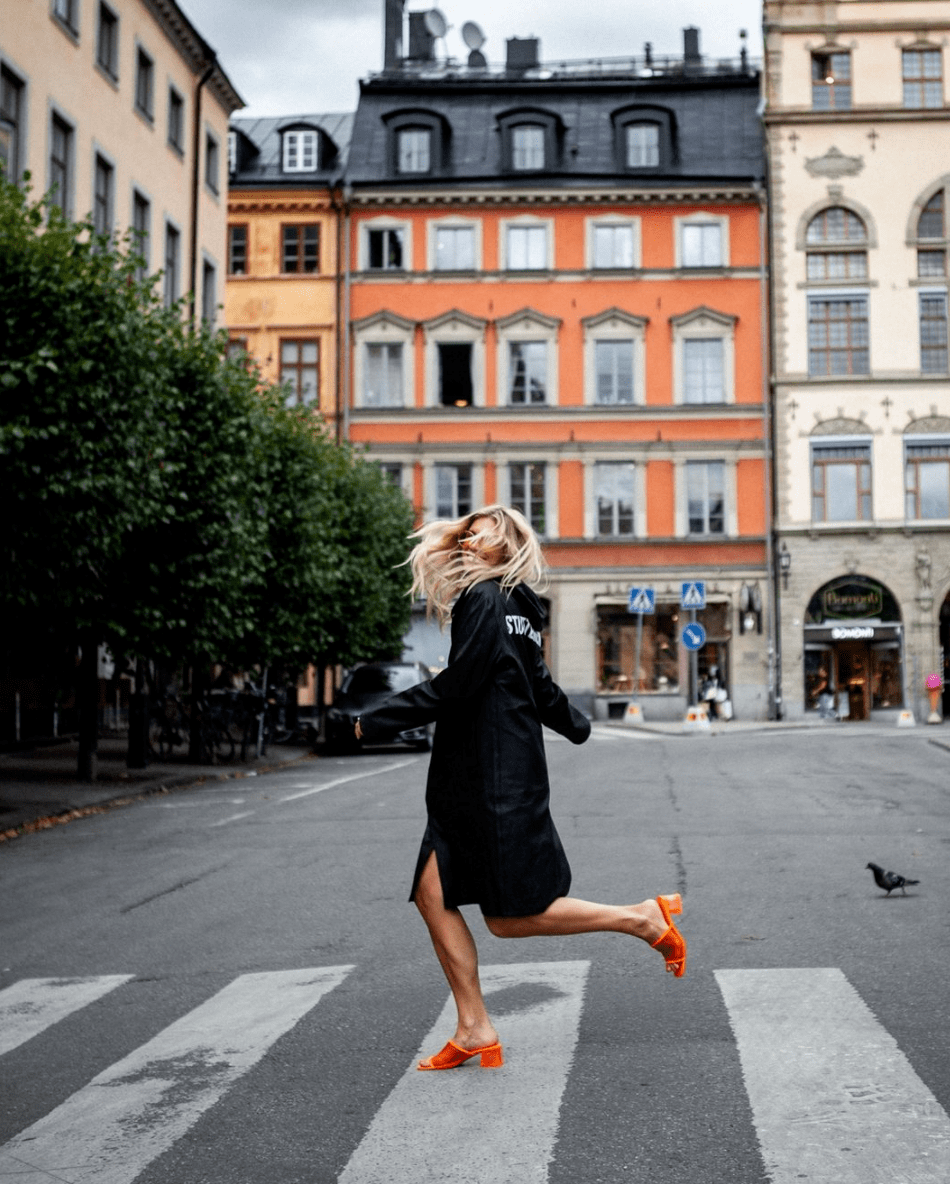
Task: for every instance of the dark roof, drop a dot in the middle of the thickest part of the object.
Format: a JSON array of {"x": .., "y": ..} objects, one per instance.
[
  {"x": 259, "y": 153},
  {"x": 717, "y": 130}
]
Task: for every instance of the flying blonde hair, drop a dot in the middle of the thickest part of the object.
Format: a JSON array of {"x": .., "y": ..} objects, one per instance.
[{"x": 441, "y": 570}]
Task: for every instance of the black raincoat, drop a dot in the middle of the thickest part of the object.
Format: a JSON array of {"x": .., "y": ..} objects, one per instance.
[{"x": 487, "y": 793}]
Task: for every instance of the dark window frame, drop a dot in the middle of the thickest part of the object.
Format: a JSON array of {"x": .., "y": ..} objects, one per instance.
[
  {"x": 103, "y": 194},
  {"x": 107, "y": 41},
  {"x": 12, "y": 91},
  {"x": 144, "y": 97},
  {"x": 172, "y": 265},
  {"x": 299, "y": 366},
  {"x": 209, "y": 292},
  {"x": 835, "y": 65},
  {"x": 236, "y": 241},
  {"x": 176, "y": 120},
  {"x": 142, "y": 230},
  {"x": 66, "y": 15},
  {"x": 212, "y": 163},
  {"x": 667, "y": 145},
  {"x": 553, "y": 132},
  {"x": 62, "y": 164},
  {"x": 384, "y": 237},
  {"x": 304, "y": 238},
  {"x": 853, "y": 346},
  {"x": 416, "y": 119}
]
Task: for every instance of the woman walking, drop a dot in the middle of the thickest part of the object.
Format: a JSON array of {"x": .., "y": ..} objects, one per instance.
[{"x": 490, "y": 838}]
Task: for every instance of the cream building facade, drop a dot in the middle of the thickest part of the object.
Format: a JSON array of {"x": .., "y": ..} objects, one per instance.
[
  {"x": 858, "y": 131},
  {"x": 120, "y": 108}
]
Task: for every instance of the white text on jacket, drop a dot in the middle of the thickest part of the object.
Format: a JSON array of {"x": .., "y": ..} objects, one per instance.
[{"x": 522, "y": 626}]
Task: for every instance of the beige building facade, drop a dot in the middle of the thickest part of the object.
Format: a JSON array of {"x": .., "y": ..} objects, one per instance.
[
  {"x": 120, "y": 109},
  {"x": 858, "y": 132}
]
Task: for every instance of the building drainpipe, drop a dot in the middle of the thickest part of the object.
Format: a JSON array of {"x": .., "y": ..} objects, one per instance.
[
  {"x": 196, "y": 186},
  {"x": 336, "y": 205},
  {"x": 347, "y": 262}
]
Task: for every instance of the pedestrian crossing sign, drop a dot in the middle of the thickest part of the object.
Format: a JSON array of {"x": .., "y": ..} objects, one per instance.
[
  {"x": 642, "y": 600},
  {"x": 693, "y": 594}
]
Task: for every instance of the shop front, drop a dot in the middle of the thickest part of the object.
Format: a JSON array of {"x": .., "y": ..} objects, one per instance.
[{"x": 854, "y": 650}]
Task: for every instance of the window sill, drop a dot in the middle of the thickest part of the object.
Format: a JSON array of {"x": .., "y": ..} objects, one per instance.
[
  {"x": 176, "y": 148},
  {"x": 66, "y": 29},
  {"x": 146, "y": 118},
  {"x": 106, "y": 73},
  {"x": 837, "y": 285}
]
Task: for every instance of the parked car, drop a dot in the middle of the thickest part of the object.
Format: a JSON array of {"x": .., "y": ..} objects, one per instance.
[{"x": 364, "y": 688}]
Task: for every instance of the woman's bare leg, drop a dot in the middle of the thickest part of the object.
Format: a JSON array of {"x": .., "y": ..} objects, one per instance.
[
  {"x": 455, "y": 949},
  {"x": 568, "y": 915}
]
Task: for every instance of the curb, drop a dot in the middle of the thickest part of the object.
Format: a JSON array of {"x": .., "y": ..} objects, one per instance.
[{"x": 48, "y": 821}]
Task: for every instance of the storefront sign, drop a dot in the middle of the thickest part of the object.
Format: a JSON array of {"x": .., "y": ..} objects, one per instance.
[
  {"x": 852, "y": 599},
  {"x": 856, "y": 633}
]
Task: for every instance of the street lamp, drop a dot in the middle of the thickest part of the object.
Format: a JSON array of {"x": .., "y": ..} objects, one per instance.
[{"x": 785, "y": 565}]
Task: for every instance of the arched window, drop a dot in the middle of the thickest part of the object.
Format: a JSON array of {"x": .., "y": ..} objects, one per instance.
[
  {"x": 932, "y": 237},
  {"x": 836, "y": 244}
]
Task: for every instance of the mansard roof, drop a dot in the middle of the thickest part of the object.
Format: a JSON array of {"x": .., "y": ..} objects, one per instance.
[{"x": 262, "y": 165}]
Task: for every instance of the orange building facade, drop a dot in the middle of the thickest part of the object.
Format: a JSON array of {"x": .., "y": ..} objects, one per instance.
[{"x": 556, "y": 301}]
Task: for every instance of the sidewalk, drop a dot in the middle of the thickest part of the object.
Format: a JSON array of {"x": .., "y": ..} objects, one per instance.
[
  {"x": 38, "y": 786},
  {"x": 938, "y": 734}
]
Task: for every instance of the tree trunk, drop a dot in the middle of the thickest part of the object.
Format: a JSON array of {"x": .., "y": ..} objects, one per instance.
[
  {"x": 87, "y": 700},
  {"x": 195, "y": 747},
  {"x": 137, "y": 756}
]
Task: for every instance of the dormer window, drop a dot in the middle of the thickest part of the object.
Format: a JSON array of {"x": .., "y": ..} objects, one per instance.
[
  {"x": 643, "y": 138},
  {"x": 527, "y": 147},
  {"x": 643, "y": 145},
  {"x": 414, "y": 150},
  {"x": 300, "y": 151}
]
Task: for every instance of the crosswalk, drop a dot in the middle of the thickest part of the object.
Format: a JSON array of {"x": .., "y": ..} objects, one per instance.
[{"x": 831, "y": 1095}]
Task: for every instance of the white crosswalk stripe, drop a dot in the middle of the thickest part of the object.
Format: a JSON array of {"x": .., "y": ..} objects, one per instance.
[
  {"x": 833, "y": 1097},
  {"x": 33, "y": 1004},
  {"x": 123, "y": 1119},
  {"x": 483, "y": 1126}
]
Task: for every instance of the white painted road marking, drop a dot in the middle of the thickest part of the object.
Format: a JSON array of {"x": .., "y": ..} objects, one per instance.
[
  {"x": 292, "y": 797},
  {"x": 34, "y": 1004},
  {"x": 483, "y": 1126},
  {"x": 833, "y": 1097},
  {"x": 110, "y": 1130}
]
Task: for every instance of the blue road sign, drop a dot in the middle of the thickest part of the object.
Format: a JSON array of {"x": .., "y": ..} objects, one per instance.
[
  {"x": 693, "y": 636},
  {"x": 693, "y": 594},
  {"x": 642, "y": 600}
]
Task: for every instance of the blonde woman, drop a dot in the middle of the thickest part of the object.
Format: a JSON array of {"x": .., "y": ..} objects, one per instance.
[{"x": 490, "y": 838}]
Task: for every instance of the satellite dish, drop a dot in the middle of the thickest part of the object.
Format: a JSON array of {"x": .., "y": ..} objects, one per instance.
[
  {"x": 435, "y": 23},
  {"x": 472, "y": 35}
]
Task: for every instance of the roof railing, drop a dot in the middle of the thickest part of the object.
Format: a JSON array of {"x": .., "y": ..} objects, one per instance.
[{"x": 639, "y": 68}]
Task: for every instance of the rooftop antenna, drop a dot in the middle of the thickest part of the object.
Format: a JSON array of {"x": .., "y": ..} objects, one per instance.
[
  {"x": 474, "y": 38},
  {"x": 743, "y": 49},
  {"x": 436, "y": 24}
]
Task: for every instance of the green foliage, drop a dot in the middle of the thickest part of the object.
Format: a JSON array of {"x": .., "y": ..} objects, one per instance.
[{"x": 161, "y": 494}]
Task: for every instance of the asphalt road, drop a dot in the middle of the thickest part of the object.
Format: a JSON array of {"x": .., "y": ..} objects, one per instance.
[{"x": 226, "y": 985}]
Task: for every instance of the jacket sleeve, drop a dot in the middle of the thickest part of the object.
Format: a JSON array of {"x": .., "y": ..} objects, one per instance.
[
  {"x": 554, "y": 707},
  {"x": 475, "y": 638}
]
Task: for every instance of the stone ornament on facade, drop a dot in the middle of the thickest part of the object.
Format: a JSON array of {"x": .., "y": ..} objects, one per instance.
[{"x": 834, "y": 164}]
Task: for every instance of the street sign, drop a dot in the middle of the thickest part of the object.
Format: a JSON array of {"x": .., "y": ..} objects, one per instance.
[
  {"x": 693, "y": 636},
  {"x": 642, "y": 600},
  {"x": 693, "y": 594}
]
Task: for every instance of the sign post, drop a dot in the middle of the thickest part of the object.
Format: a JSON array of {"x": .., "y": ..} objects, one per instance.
[
  {"x": 693, "y": 597},
  {"x": 642, "y": 600}
]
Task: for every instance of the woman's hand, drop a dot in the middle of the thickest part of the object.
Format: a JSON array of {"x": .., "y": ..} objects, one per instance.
[{"x": 358, "y": 731}]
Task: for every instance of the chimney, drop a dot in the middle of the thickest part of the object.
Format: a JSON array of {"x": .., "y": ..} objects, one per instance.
[
  {"x": 691, "y": 54},
  {"x": 421, "y": 41},
  {"x": 522, "y": 53},
  {"x": 392, "y": 35}
]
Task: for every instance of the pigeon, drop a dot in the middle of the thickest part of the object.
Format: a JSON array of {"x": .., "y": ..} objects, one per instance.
[{"x": 890, "y": 880}]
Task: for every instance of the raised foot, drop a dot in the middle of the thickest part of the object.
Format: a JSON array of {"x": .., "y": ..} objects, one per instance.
[
  {"x": 453, "y": 1055},
  {"x": 671, "y": 943}
]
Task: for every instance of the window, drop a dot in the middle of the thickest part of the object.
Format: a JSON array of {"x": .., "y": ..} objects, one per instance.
[
  {"x": 923, "y": 78},
  {"x": 11, "y": 122},
  {"x": 841, "y": 482},
  {"x": 931, "y": 235},
  {"x": 838, "y": 335},
  {"x": 61, "y": 163},
  {"x": 392, "y": 471},
  {"x": 414, "y": 150},
  {"x": 705, "y": 496},
  {"x": 927, "y": 483},
  {"x": 237, "y": 348},
  {"x": 613, "y": 363},
  {"x": 237, "y": 250},
  {"x": 176, "y": 120},
  {"x": 643, "y": 145},
  {"x": 701, "y": 244},
  {"x": 385, "y": 249},
  {"x": 172, "y": 253},
  {"x": 703, "y": 370},
  {"x": 107, "y": 41},
  {"x": 453, "y": 491},
  {"x": 527, "y": 371},
  {"x": 232, "y": 153},
  {"x": 454, "y": 248},
  {"x": 843, "y": 231},
  {"x": 831, "y": 81},
  {"x": 102, "y": 197},
  {"x": 209, "y": 295},
  {"x": 933, "y": 333},
  {"x": 455, "y": 373},
  {"x": 613, "y": 494},
  {"x": 212, "y": 157},
  {"x": 66, "y": 12},
  {"x": 382, "y": 375},
  {"x": 612, "y": 246},
  {"x": 141, "y": 229},
  {"x": 527, "y": 147},
  {"x": 144, "y": 84},
  {"x": 617, "y": 650},
  {"x": 300, "y": 152},
  {"x": 526, "y": 248},
  {"x": 300, "y": 248},
  {"x": 299, "y": 367},
  {"x": 526, "y": 484}
]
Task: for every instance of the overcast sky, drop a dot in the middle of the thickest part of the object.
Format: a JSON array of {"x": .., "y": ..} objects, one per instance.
[{"x": 292, "y": 56}]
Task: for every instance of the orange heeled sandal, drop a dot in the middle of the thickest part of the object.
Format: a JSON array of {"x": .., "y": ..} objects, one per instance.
[
  {"x": 452, "y": 1056},
  {"x": 671, "y": 944}
]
